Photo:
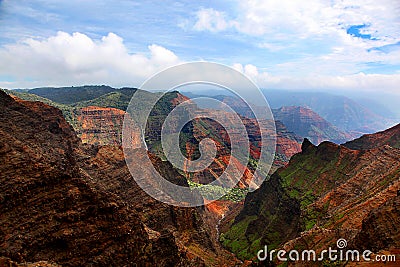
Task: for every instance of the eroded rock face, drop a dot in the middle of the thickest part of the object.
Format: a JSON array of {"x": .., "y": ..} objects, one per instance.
[
  {"x": 100, "y": 125},
  {"x": 4, "y": 261},
  {"x": 107, "y": 167},
  {"x": 379, "y": 230},
  {"x": 103, "y": 126},
  {"x": 348, "y": 189},
  {"x": 76, "y": 204},
  {"x": 389, "y": 137},
  {"x": 326, "y": 192},
  {"x": 287, "y": 144},
  {"x": 51, "y": 210}
]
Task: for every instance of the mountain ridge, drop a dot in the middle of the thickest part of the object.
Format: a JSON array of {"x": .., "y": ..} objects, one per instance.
[
  {"x": 308, "y": 124},
  {"x": 326, "y": 192},
  {"x": 341, "y": 111},
  {"x": 390, "y": 137}
]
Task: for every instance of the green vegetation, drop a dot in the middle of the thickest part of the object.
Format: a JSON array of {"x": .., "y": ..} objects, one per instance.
[
  {"x": 110, "y": 100},
  {"x": 71, "y": 95},
  {"x": 209, "y": 191},
  {"x": 237, "y": 241}
]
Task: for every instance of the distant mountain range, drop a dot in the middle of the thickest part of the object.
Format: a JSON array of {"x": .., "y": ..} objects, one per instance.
[
  {"x": 308, "y": 124},
  {"x": 302, "y": 121},
  {"x": 343, "y": 112},
  {"x": 344, "y": 117},
  {"x": 347, "y": 115}
]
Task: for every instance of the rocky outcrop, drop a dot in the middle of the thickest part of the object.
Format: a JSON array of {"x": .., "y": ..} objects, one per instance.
[
  {"x": 103, "y": 126},
  {"x": 98, "y": 125},
  {"x": 287, "y": 144},
  {"x": 379, "y": 230}
]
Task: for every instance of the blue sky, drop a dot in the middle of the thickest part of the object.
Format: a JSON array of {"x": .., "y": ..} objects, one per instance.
[{"x": 321, "y": 45}]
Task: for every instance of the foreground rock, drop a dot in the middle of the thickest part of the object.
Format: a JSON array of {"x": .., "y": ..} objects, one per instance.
[{"x": 77, "y": 205}]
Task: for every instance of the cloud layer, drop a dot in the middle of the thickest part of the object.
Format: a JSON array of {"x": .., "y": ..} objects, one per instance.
[
  {"x": 384, "y": 83},
  {"x": 314, "y": 36},
  {"x": 76, "y": 59},
  {"x": 286, "y": 19},
  {"x": 315, "y": 44}
]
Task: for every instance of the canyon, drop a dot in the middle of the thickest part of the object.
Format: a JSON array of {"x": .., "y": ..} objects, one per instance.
[{"x": 68, "y": 198}]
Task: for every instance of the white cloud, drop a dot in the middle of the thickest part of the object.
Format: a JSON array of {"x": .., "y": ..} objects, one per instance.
[
  {"x": 273, "y": 47},
  {"x": 317, "y": 17},
  {"x": 385, "y": 83},
  {"x": 288, "y": 19},
  {"x": 66, "y": 59},
  {"x": 248, "y": 69},
  {"x": 76, "y": 59},
  {"x": 314, "y": 32},
  {"x": 210, "y": 20},
  {"x": 162, "y": 56}
]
